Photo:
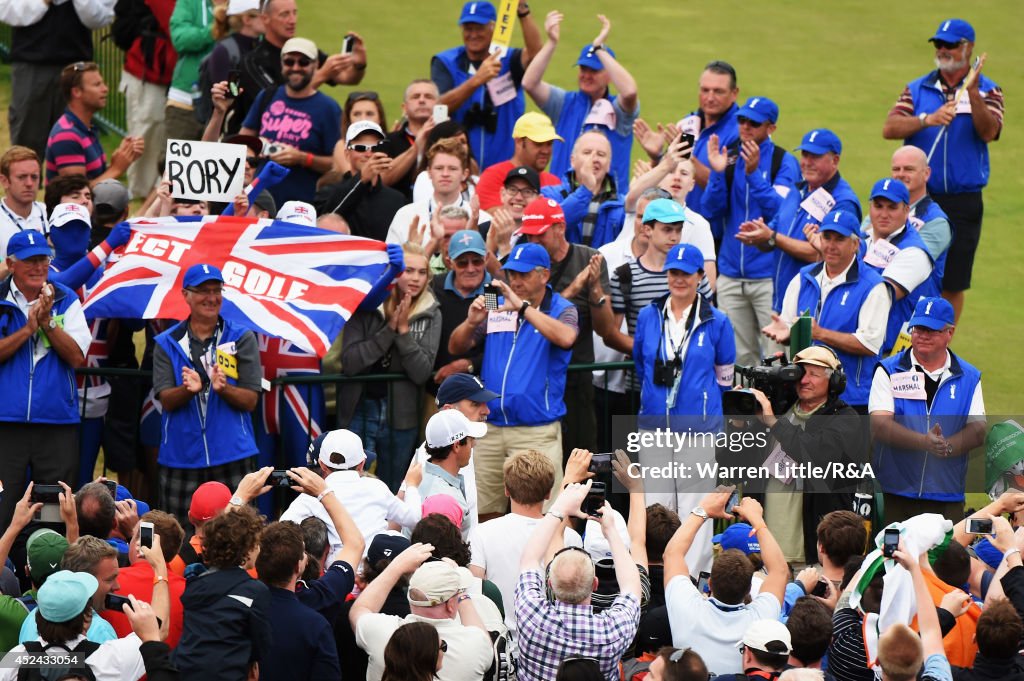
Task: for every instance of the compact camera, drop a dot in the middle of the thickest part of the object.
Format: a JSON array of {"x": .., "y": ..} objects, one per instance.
[{"x": 665, "y": 373}]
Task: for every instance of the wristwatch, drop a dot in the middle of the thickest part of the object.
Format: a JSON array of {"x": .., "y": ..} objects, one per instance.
[
  {"x": 922, "y": 117},
  {"x": 771, "y": 240},
  {"x": 600, "y": 301},
  {"x": 522, "y": 308},
  {"x": 469, "y": 367},
  {"x": 524, "y": 14},
  {"x": 557, "y": 515},
  {"x": 236, "y": 501},
  {"x": 52, "y": 323},
  {"x": 699, "y": 512}
]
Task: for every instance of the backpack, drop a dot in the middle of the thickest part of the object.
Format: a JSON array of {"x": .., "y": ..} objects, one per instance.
[
  {"x": 625, "y": 275},
  {"x": 133, "y": 19},
  {"x": 84, "y": 649},
  {"x": 203, "y": 107},
  {"x": 778, "y": 154}
]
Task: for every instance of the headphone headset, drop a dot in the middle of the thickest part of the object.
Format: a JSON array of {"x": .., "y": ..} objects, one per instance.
[{"x": 837, "y": 381}]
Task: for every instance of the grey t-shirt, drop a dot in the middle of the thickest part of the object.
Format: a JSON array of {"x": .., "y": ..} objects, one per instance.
[
  {"x": 246, "y": 351},
  {"x": 562, "y": 274}
]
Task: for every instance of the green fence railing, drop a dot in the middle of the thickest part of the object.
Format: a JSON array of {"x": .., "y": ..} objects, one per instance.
[{"x": 110, "y": 58}]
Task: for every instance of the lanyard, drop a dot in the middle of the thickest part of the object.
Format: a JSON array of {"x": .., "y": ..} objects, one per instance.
[
  {"x": 679, "y": 351},
  {"x": 16, "y": 220}
]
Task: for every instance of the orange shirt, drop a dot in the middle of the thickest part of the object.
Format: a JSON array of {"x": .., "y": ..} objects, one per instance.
[{"x": 137, "y": 580}]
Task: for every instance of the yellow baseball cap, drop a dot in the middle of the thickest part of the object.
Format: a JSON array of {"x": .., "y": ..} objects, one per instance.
[{"x": 535, "y": 127}]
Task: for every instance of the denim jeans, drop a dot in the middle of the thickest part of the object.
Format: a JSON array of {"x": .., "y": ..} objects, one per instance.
[{"x": 391, "y": 447}]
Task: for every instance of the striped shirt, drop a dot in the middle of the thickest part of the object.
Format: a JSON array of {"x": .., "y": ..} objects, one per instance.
[
  {"x": 73, "y": 143},
  {"x": 904, "y": 106},
  {"x": 550, "y": 632},
  {"x": 847, "y": 656}
]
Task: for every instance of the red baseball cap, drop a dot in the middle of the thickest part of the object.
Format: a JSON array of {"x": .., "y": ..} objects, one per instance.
[
  {"x": 540, "y": 214},
  {"x": 209, "y": 499}
]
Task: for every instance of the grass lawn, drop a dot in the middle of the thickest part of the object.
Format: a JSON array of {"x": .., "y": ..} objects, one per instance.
[{"x": 837, "y": 65}]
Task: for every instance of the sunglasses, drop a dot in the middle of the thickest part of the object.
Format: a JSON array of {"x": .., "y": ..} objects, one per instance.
[
  {"x": 743, "y": 120},
  {"x": 302, "y": 62},
  {"x": 363, "y": 147},
  {"x": 251, "y": 161},
  {"x": 362, "y": 96},
  {"x": 444, "y": 646},
  {"x": 942, "y": 44}
]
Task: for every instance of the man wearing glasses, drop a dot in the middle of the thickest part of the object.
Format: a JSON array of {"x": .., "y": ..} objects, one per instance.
[
  {"x": 751, "y": 187},
  {"x": 206, "y": 374},
  {"x": 367, "y": 204},
  {"x": 955, "y": 135},
  {"x": 43, "y": 339},
  {"x": 302, "y": 124},
  {"x": 927, "y": 414}
]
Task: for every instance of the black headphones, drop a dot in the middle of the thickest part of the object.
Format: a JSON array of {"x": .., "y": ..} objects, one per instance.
[{"x": 837, "y": 381}]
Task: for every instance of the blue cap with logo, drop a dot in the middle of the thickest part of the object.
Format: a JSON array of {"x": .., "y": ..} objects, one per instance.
[
  {"x": 821, "y": 141},
  {"x": 458, "y": 387},
  {"x": 932, "y": 313},
  {"x": 737, "y": 536},
  {"x": 953, "y": 31},
  {"x": 589, "y": 58},
  {"x": 28, "y": 243},
  {"x": 526, "y": 257},
  {"x": 684, "y": 257},
  {"x": 466, "y": 241},
  {"x": 197, "y": 274},
  {"x": 664, "y": 210},
  {"x": 842, "y": 222},
  {"x": 759, "y": 110},
  {"x": 892, "y": 189},
  {"x": 478, "y": 13}
]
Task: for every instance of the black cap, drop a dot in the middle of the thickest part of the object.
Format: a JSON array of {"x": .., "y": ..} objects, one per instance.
[
  {"x": 386, "y": 546},
  {"x": 529, "y": 175}
]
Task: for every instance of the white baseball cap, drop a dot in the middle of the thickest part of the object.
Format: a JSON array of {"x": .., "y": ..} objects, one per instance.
[
  {"x": 359, "y": 127},
  {"x": 69, "y": 212},
  {"x": 448, "y": 426},
  {"x": 236, "y": 7},
  {"x": 340, "y": 441},
  {"x": 299, "y": 212}
]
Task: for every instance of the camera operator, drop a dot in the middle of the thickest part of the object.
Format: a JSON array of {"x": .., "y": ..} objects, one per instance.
[{"x": 820, "y": 428}]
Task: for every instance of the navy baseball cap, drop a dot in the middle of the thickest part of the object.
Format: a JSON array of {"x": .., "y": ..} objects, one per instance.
[
  {"x": 458, "y": 387},
  {"x": 737, "y": 536},
  {"x": 821, "y": 141},
  {"x": 527, "y": 175},
  {"x": 386, "y": 546},
  {"x": 28, "y": 243},
  {"x": 842, "y": 222},
  {"x": 478, "y": 13},
  {"x": 889, "y": 188},
  {"x": 932, "y": 313},
  {"x": 526, "y": 257},
  {"x": 466, "y": 241},
  {"x": 684, "y": 257},
  {"x": 759, "y": 110},
  {"x": 197, "y": 274},
  {"x": 664, "y": 210},
  {"x": 589, "y": 58},
  {"x": 953, "y": 31}
]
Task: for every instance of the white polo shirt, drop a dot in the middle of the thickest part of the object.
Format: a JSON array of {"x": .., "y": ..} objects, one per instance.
[
  {"x": 115, "y": 660},
  {"x": 469, "y": 653}
]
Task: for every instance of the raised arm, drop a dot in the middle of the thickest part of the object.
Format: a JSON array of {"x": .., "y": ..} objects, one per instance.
[{"x": 533, "y": 79}]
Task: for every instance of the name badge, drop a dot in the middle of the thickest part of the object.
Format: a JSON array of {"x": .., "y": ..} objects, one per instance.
[
  {"x": 963, "y": 105},
  {"x": 691, "y": 125},
  {"x": 227, "y": 359},
  {"x": 502, "y": 89},
  {"x": 908, "y": 385},
  {"x": 818, "y": 204},
  {"x": 918, "y": 223},
  {"x": 881, "y": 253},
  {"x": 501, "y": 321}
]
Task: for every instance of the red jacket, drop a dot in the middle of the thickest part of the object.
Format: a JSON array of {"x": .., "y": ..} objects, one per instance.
[{"x": 159, "y": 66}]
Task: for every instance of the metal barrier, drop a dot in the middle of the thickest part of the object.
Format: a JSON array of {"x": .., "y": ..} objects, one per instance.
[{"x": 110, "y": 58}]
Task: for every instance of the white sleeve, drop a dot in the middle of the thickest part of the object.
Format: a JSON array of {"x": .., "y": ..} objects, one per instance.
[
  {"x": 76, "y": 326},
  {"x": 408, "y": 512},
  {"x": 977, "y": 409},
  {"x": 683, "y": 603},
  {"x": 476, "y": 546},
  {"x": 873, "y": 317},
  {"x": 700, "y": 234},
  {"x": 880, "y": 398},
  {"x": 128, "y": 658},
  {"x": 22, "y": 12},
  {"x": 572, "y": 538},
  {"x": 95, "y": 14},
  {"x": 297, "y": 511},
  {"x": 423, "y": 188},
  {"x": 909, "y": 268},
  {"x": 789, "y": 312},
  {"x": 398, "y": 232}
]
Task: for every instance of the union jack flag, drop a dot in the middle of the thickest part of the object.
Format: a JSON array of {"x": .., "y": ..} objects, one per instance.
[
  {"x": 283, "y": 358},
  {"x": 285, "y": 280}
]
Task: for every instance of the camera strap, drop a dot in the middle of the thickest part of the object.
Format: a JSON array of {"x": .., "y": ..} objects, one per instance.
[{"x": 678, "y": 351}]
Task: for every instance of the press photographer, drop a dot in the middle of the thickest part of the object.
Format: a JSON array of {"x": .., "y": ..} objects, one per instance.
[{"x": 819, "y": 429}]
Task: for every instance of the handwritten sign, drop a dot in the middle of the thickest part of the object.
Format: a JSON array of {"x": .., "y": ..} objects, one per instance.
[{"x": 205, "y": 171}]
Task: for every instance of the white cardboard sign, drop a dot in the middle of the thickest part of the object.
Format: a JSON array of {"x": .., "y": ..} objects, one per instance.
[{"x": 205, "y": 171}]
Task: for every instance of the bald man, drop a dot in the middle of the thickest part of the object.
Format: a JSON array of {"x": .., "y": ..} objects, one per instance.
[
  {"x": 910, "y": 166},
  {"x": 592, "y": 204}
]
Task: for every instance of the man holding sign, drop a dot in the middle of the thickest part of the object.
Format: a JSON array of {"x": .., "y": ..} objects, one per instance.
[
  {"x": 481, "y": 81},
  {"x": 206, "y": 374},
  {"x": 301, "y": 124},
  {"x": 927, "y": 413},
  {"x": 952, "y": 114}
]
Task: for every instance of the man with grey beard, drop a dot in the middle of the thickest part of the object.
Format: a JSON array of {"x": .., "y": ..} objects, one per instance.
[{"x": 929, "y": 108}]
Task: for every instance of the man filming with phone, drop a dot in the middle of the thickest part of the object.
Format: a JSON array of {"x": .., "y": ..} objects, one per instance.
[{"x": 818, "y": 429}]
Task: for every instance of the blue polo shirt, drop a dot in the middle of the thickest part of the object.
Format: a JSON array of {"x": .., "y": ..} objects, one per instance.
[
  {"x": 304, "y": 645},
  {"x": 449, "y": 285}
]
